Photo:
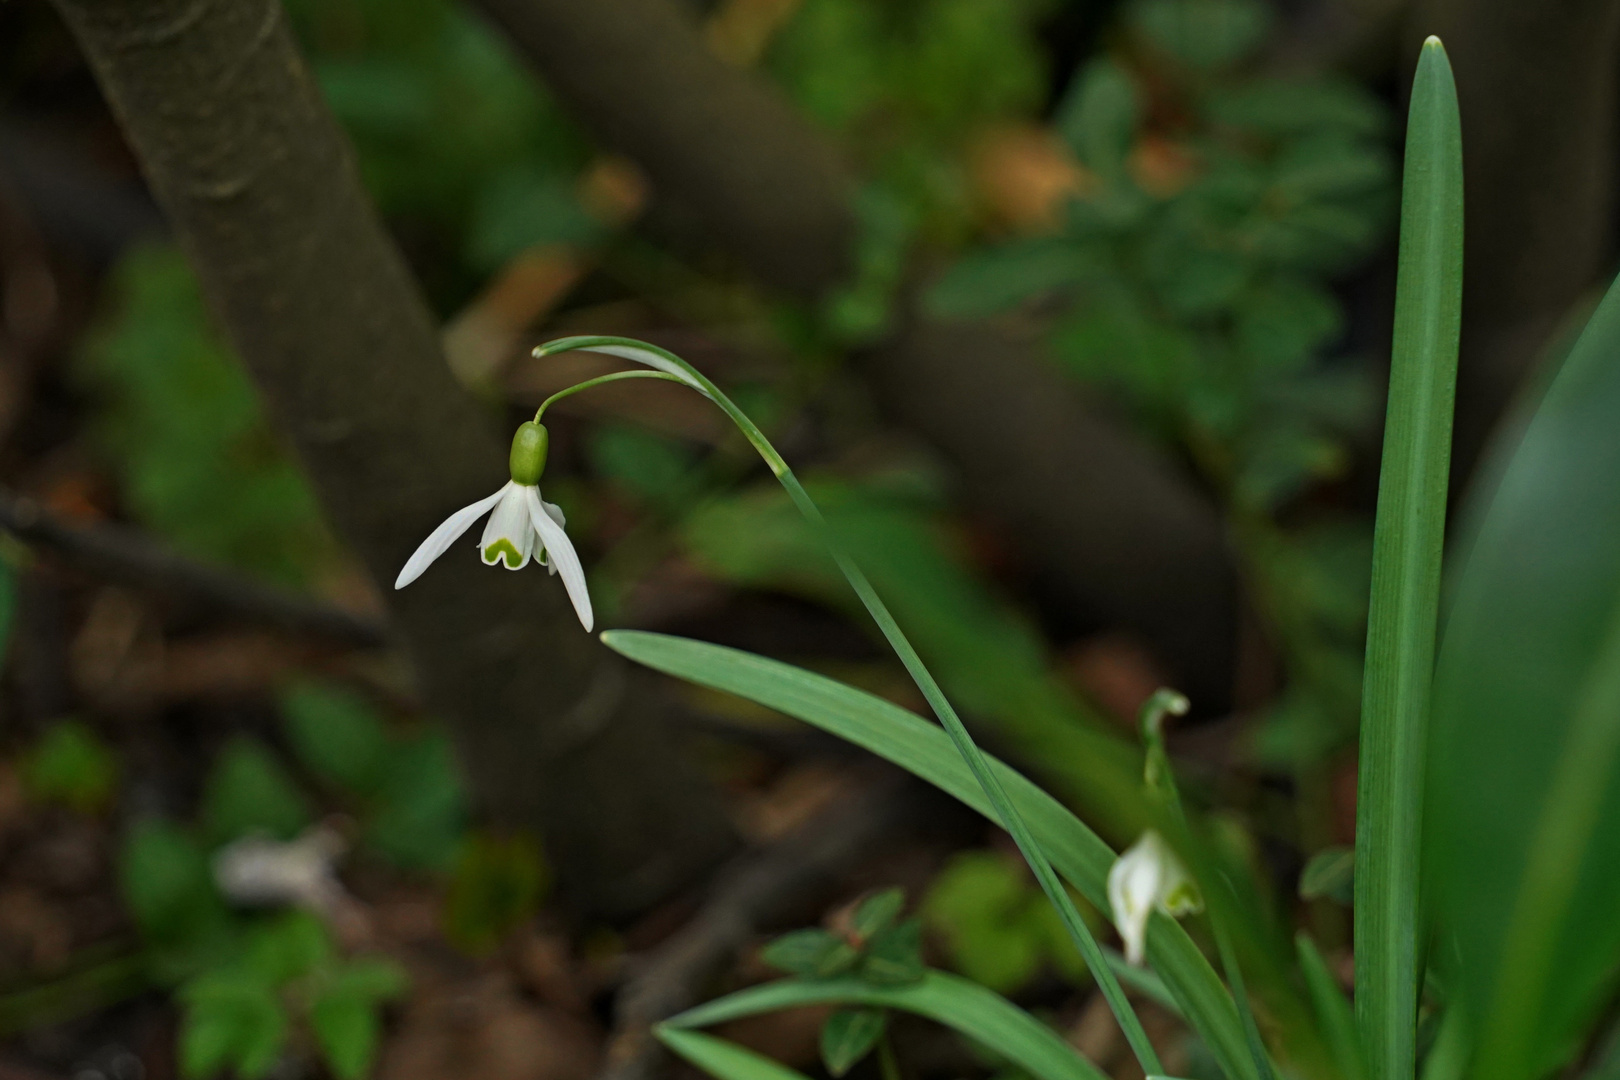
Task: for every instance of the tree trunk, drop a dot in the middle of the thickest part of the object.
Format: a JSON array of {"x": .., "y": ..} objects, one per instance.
[
  {"x": 260, "y": 185},
  {"x": 710, "y": 136}
]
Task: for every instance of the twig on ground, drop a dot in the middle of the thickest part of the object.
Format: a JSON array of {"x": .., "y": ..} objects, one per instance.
[
  {"x": 759, "y": 889},
  {"x": 129, "y": 557}
]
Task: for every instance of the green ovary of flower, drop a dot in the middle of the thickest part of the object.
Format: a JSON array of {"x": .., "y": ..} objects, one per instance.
[{"x": 528, "y": 457}]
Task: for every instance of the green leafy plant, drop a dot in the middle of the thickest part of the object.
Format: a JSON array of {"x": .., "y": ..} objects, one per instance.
[
  {"x": 70, "y": 765},
  {"x": 252, "y": 984},
  {"x": 873, "y": 946},
  {"x": 284, "y": 977},
  {"x": 668, "y": 366},
  {"x": 452, "y": 135},
  {"x": 1192, "y": 276},
  {"x": 1526, "y": 958},
  {"x": 183, "y": 432},
  {"x": 404, "y": 786},
  {"x": 996, "y": 926}
]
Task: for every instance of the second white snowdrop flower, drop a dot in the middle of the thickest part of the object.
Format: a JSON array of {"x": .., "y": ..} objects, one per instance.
[
  {"x": 522, "y": 526},
  {"x": 1146, "y": 878}
]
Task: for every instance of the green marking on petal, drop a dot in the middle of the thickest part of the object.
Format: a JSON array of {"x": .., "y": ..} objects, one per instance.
[
  {"x": 503, "y": 548},
  {"x": 1183, "y": 899}
]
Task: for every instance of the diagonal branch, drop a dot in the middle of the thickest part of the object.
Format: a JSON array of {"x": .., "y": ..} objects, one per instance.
[
  {"x": 126, "y": 555},
  {"x": 716, "y": 140}
]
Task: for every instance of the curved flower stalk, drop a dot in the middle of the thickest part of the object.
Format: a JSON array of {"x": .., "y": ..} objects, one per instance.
[
  {"x": 669, "y": 366},
  {"x": 522, "y": 526}
]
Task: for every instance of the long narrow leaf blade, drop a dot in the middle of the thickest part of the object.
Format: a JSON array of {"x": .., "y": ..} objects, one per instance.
[
  {"x": 926, "y": 751},
  {"x": 1006, "y": 812},
  {"x": 1333, "y": 1009},
  {"x": 1406, "y": 573},
  {"x": 967, "y": 1007},
  {"x": 724, "y": 1060}
]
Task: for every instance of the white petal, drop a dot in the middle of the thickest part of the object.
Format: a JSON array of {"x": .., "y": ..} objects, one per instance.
[
  {"x": 561, "y": 555},
  {"x": 509, "y": 522},
  {"x": 442, "y": 537},
  {"x": 1133, "y": 891},
  {"x": 556, "y": 515}
]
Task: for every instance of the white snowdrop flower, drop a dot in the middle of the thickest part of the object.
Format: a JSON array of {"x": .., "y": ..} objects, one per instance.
[
  {"x": 257, "y": 871},
  {"x": 1146, "y": 878},
  {"x": 522, "y": 526}
]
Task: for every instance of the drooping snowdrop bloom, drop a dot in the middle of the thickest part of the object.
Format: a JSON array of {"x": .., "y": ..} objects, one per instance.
[
  {"x": 1146, "y": 878},
  {"x": 522, "y": 526}
]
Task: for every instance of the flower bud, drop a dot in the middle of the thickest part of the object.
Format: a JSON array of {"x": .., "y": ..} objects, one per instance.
[
  {"x": 1145, "y": 879},
  {"x": 528, "y": 458}
]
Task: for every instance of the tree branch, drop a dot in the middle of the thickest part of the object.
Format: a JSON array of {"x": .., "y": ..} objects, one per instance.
[
  {"x": 716, "y": 140},
  {"x": 130, "y": 557},
  {"x": 260, "y": 186}
]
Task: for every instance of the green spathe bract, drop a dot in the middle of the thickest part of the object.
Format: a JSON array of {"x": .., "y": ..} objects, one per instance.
[{"x": 1406, "y": 573}]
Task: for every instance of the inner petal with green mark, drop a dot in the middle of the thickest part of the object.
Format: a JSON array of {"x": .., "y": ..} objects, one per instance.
[{"x": 503, "y": 549}]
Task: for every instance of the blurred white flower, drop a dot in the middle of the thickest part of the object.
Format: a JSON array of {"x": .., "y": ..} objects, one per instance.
[
  {"x": 1148, "y": 877},
  {"x": 257, "y": 871}
]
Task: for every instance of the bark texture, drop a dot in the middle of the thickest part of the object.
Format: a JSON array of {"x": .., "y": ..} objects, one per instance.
[
  {"x": 260, "y": 185},
  {"x": 1109, "y": 523}
]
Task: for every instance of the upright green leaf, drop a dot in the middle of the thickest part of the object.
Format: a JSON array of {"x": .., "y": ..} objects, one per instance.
[
  {"x": 1407, "y": 545},
  {"x": 1524, "y": 831}
]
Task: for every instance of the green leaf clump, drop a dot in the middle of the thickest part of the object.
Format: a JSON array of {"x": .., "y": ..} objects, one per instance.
[
  {"x": 183, "y": 431},
  {"x": 71, "y": 766},
  {"x": 285, "y": 976},
  {"x": 876, "y": 945},
  {"x": 996, "y": 926}
]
